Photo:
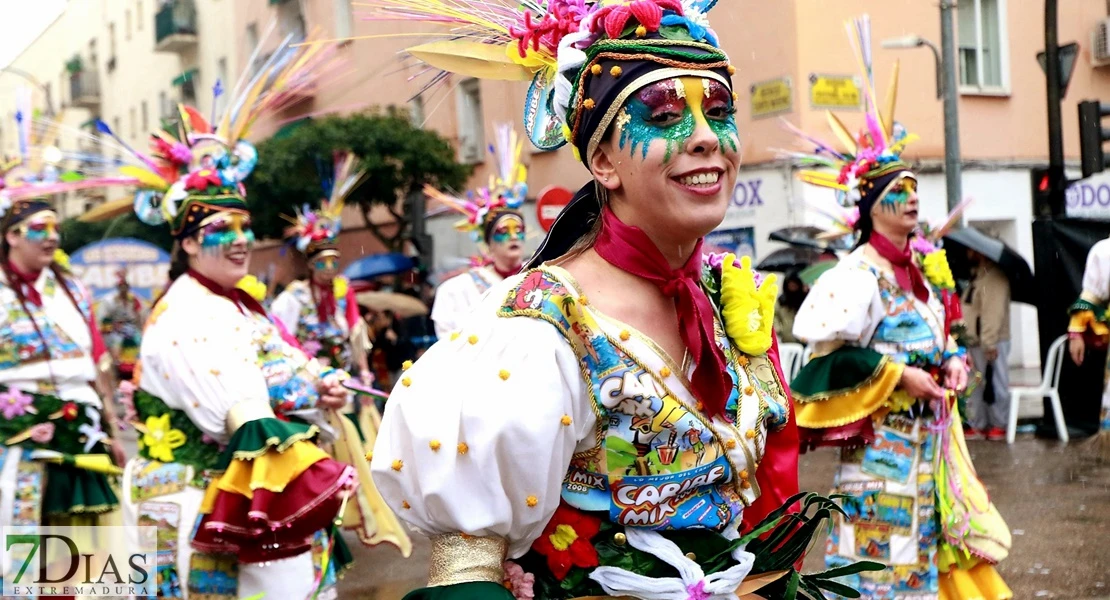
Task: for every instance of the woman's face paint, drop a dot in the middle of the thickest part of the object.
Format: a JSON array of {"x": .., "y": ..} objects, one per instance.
[
  {"x": 669, "y": 112},
  {"x": 326, "y": 263},
  {"x": 898, "y": 195},
  {"x": 226, "y": 230},
  {"x": 508, "y": 229},
  {"x": 41, "y": 227}
]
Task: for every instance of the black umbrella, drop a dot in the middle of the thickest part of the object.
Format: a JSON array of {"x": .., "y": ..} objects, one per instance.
[
  {"x": 791, "y": 258},
  {"x": 1017, "y": 270},
  {"x": 808, "y": 236}
]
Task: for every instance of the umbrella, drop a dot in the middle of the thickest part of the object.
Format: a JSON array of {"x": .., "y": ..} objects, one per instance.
[
  {"x": 1012, "y": 264},
  {"x": 809, "y": 236},
  {"x": 377, "y": 265},
  {"x": 812, "y": 273},
  {"x": 402, "y": 305},
  {"x": 789, "y": 259}
]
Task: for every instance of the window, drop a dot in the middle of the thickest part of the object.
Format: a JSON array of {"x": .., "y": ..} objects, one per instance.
[
  {"x": 221, "y": 72},
  {"x": 127, "y": 24},
  {"x": 139, "y": 15},
  {"x": 134, "y": 123},
  {"x": 165, "y": 108},
  {"x": 291, "y": 19},
  {"x": 984, "y": 63},
  {"x": 117, "y": 128},
  {"x": 252, "y": 39},
  {"x": 145, "y": 118},
  {"x": 416, "y": 111},
  {"x": 471, "y": 126},
  {"x": 111, "y": 41},
  {"x": 342, "y": 18}
]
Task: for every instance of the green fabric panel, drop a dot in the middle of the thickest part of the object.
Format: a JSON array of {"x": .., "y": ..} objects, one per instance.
[
  {"x": 353, "y": 418},
  {"x": 196, "y": 453},
  {"x": 71, "y": 490},
  {"x": 482, "y": 590},
  {"x": 255, "y": 435},
  {"x": 842, "y": 370}
]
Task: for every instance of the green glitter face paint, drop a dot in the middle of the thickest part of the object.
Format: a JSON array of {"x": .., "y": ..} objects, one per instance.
[
  {"x": 670, "y": 111},
  {"x": 898, "y": 195},
  {"x": 226, "y": 230}
]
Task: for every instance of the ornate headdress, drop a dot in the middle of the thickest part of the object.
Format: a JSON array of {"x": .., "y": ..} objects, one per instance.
[
  {"x": 861, "y": 168},
  {"x": 196, "y": 170},
  {"x": 504, "y": 194},
  {"x": 584, "y": 58},
  {"x": 317, "y": 232}
]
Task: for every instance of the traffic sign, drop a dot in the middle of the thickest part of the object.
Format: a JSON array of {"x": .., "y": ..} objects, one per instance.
[{"x": 551, "y": 201}]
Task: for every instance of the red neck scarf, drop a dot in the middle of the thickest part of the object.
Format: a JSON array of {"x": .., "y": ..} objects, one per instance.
[
  {"x": 26, "y": 283},
  {"x": 236, "y": 295},
  {"x": 901, "y": 260},
  {"x": 631, "y": 250},
  {"x": 325, "y": 300},
  {"x": 505, "y": 274}
]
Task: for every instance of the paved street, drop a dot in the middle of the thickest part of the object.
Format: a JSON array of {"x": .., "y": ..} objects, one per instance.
[{"x": 1056, "y": 501}]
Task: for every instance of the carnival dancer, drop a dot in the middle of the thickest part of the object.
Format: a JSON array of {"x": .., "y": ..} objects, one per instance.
[
  {"x": 122, "y": 325},
  {"x": 1088, "y": 324},
  {"x": 250, "y": 494},
  {"x": 321, "y": 311},
  {"x": 883, "y": 380},
  {"x": 58, "y": 432},
  {"x": 493, "y": 219},
  {"x": 606, "y": 420}
]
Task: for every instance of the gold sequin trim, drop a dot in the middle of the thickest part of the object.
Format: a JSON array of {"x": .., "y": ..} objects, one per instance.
[{"x": 460, "y": 559}]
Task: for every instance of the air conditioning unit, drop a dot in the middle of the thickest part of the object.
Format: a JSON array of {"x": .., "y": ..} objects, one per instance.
[{"x": 1100, "y": 44}]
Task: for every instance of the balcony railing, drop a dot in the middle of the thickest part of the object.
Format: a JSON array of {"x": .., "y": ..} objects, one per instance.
[
  {"x": 175, "y": 26},
  {"x": 84, "y": 88}
]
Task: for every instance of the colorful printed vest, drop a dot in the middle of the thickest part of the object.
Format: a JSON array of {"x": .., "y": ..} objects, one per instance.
[
  {"x": 658, "y": 462},
  {"x": 326, "y": 340},
  {"x": 907, "y": 331},
  {"x": 20, "y": 342}
]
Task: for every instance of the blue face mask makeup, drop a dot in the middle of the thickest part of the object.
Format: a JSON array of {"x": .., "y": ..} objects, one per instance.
[
  {"x": 508, "y": 229},
  {"x": 226, "y": 230},
  {"x": 898, "y": 195},
  {"x": 327, "y": 263},
  {"x": 40, "y": 228},
  {"x": 669, "y": 112}
]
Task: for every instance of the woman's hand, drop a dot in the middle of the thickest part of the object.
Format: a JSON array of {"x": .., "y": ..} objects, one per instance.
[
  {"x": 955, "y": 374},
  {"x": 1077, "y": 348},
  {"x": 920, "y": 384},
  {"x": 366, "y": 376},
  {"x": 332, "y": 394}
]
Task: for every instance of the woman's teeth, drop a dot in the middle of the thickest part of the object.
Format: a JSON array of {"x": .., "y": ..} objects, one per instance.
[{"x": 710, "y": 178}]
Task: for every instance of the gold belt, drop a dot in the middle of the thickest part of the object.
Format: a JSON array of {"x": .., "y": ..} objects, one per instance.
[{"x": 458, "y": 558}]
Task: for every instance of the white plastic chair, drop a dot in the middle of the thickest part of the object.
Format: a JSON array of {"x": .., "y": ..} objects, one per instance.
[
  {"x": 1050, "y": 387},
  {"x": 791, "y": 356}
]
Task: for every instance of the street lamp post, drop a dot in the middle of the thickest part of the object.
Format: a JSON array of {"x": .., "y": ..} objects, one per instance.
[{"x": 946, "y": 91}]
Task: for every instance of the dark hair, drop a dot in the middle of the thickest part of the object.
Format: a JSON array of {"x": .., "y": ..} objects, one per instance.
[{"x": 179, "y": 262}]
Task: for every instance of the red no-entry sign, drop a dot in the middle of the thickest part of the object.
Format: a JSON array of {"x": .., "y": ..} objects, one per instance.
[{"x": 551, "y": 201}]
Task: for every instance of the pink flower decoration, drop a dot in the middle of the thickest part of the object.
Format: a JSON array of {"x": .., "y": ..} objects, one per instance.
[
  {"x": 697, "y": 591},
  {"x": 15, "y": 403},
  {"x": 42, "y": 433},
  {"x": 180, "y": 153},
  {"x": 649, "y": 13},
  {"x": 518, "y": 582},
  {"x": 126, "y": 395}
]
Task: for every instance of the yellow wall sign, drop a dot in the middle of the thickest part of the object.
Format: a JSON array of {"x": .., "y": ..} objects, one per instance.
[
  {"x": 834, "y": 91},
  {"x": 772, "y": 97}
]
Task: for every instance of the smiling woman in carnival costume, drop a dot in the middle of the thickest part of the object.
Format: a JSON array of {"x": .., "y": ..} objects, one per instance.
[
  {"x": 613, "y": 421},
  {"x": 884, "y": 379},
  {"x": 492, "y": 216},
  {"x": 220, "y": 465},
  {"x": 321, "y": 312},
  {"x": 57, "y": 433}
]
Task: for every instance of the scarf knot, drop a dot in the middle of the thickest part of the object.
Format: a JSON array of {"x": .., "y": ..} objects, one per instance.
[
  {"x": 906, "y": 273},
  {"x": 631, "y": 250}
]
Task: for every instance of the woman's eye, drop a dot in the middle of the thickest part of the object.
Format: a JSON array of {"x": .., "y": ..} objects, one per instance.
[
  {"x": 720, "y": 112},
  {"x": 664, "y": 117}
]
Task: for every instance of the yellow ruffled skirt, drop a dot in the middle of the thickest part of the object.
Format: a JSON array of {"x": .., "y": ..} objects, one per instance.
[{"x": 981, "y": 582}]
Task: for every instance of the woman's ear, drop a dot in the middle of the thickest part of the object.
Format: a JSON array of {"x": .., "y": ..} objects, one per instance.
[
  {"x": 191, "y": 246},
  {"x": 603, "y": 167}
]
